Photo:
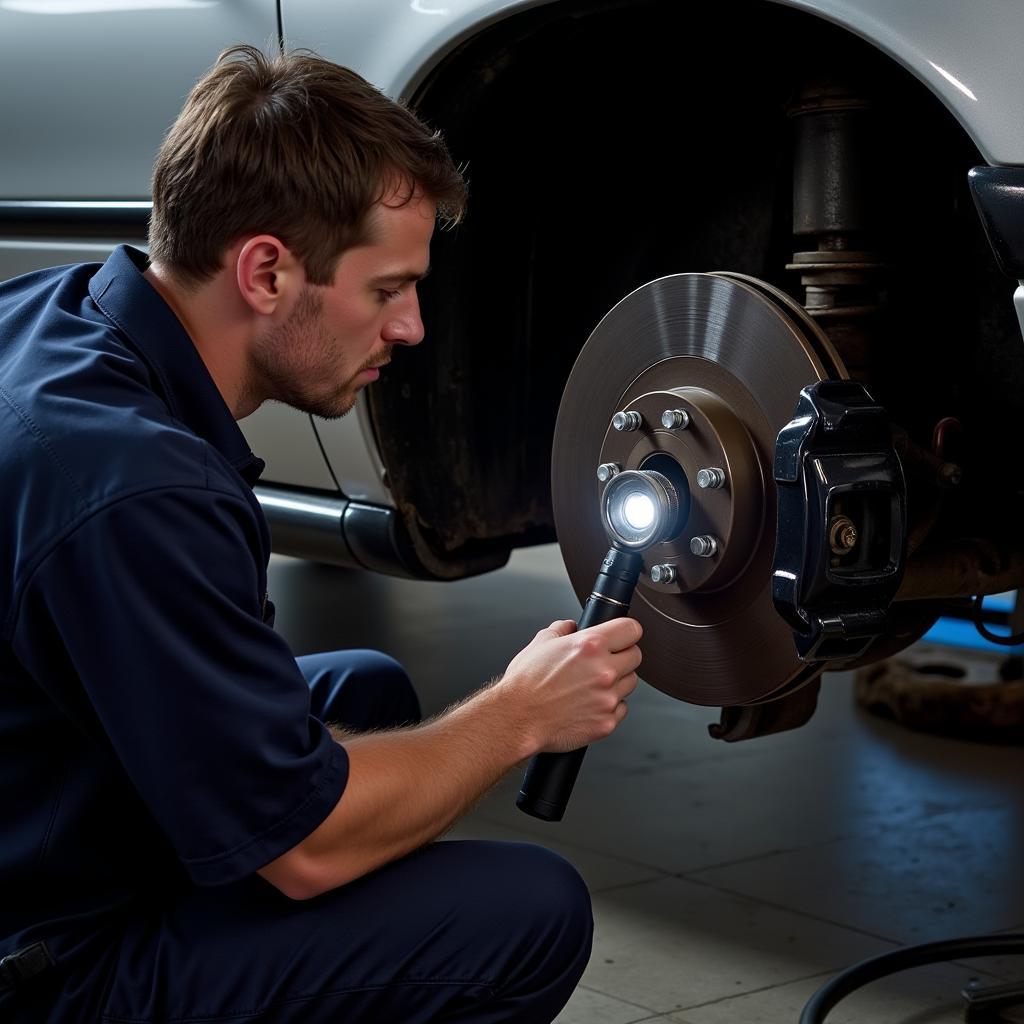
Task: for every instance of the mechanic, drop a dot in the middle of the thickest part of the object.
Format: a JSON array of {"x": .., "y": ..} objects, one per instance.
[{"x": 198, "y": 825}]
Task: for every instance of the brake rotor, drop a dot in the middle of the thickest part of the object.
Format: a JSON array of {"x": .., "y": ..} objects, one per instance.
[{"x": 732, "y": 353}]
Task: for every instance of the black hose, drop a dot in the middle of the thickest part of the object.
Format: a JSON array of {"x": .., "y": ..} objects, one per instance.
[
  {"x": 897, "y": 960},
  {"x": 993, "y": 638}
]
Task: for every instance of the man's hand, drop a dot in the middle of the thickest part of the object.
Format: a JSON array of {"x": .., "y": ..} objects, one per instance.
[{"x": 573, "y": 685}]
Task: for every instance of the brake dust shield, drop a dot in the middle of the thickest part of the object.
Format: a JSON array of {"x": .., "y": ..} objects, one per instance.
[{"x": 733, "y": 353}]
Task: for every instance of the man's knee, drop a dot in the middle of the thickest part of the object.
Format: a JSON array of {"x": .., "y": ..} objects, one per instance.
[
  {"x": 360, "y": 689},
  {"x": 541, "y": 909},
  {"x": 537, "y": 904},
  {"x": 560, "y": 906},
  {"x": 382, "y": 681}
]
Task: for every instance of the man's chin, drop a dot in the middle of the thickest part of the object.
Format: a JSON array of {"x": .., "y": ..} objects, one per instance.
[{"x": 333, "y": 408}]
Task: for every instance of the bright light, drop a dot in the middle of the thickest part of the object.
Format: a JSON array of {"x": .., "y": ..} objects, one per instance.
[{"x": 638, "y": 510}]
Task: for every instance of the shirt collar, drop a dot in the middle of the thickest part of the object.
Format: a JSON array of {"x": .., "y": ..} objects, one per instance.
[{"x": 125, "y": 297}]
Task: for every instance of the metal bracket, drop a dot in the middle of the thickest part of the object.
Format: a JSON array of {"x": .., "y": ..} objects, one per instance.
[{"x": 986, "y": 1004}]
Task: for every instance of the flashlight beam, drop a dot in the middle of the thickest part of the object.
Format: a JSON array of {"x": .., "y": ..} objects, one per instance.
[{"x": 639, "y": 511}]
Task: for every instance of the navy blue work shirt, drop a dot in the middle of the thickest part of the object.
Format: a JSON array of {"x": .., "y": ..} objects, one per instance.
[{"x": 154, "y": 730}]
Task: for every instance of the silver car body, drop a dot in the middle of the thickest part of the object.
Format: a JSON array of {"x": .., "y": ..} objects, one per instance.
[{"x": 87, "y": 88}]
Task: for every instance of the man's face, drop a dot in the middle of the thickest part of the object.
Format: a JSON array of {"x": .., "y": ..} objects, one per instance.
[{"x": 329, "y": 347}]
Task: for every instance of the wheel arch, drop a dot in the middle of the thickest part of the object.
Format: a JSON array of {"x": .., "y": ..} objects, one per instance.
[{"x": 475, "y": 483}]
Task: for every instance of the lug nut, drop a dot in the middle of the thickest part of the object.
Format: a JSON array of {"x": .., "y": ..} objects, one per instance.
[
  {"x": 607, "y": 470},
  {"x": 663, "y": 574},
  {"x": 627, "y": 421},
  {"x": 675, "y": 419},
  {"x": 711, "y": 479},
  {"x": 704, "y": 545}
]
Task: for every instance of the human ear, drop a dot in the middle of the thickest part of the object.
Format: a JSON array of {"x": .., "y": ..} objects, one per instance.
[{"x": 267, "y": 274}]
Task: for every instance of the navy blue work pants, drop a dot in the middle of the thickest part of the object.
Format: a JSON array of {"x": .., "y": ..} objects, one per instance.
[{"x": 475, "y": 931}]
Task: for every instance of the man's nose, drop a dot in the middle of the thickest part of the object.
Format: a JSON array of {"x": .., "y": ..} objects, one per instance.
[{"x": 406, "y": 327}]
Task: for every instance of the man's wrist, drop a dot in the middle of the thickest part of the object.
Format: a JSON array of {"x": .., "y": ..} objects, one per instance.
[{"x": 512, "y": 720}]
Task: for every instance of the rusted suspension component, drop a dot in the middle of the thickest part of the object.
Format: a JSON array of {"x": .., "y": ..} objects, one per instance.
[
  {"x": 963, "y": 568},
  {"x": 939, "y": 696},
  {"x": 832, "y": 214},
  {"x": 928, "y": 467},
  {"x": 930, "y": 477}
]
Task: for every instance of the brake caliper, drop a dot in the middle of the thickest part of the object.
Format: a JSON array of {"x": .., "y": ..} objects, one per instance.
[{"x": 842, "y": 523}]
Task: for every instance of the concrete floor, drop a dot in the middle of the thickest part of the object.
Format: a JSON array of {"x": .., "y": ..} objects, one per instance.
[{"x": 728, "y": 882}]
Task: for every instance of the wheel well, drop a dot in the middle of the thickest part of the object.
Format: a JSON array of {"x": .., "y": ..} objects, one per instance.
[{"x": 611, "y": 143}]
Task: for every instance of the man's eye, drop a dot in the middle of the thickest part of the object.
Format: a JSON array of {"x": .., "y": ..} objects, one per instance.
[{"x": 387, "y": 295}]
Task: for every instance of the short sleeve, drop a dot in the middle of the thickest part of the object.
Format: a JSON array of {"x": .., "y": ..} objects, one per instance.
[{"x": 151, "y": 611}]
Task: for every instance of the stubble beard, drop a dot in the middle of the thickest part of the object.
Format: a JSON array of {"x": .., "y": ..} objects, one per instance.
[{"x": 297, "y": 361}]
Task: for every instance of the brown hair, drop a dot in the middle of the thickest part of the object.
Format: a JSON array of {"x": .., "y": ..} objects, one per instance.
[{"x": 289, "y": 145}]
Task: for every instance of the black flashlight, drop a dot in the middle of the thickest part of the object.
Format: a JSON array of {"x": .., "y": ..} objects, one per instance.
[{"x": 639, "y": 508}]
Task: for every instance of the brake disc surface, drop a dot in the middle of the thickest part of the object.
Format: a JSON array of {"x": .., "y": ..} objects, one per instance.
[{"x": 732, "y": 353}]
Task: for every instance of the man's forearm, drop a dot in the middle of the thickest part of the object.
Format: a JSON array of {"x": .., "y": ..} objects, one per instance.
[
  {"x": 562, "y": 691},
  {"x": 408, "y": 786}
]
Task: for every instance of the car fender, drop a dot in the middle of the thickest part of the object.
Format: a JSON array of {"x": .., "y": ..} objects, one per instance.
[{"x": 967, "y": 54}]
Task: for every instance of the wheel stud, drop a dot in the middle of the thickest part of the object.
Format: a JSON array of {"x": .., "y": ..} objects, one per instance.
[
  {"x": 663, "y": 574},
  {"x": 711, "y": 479},
  {"x": 675, "y": 419},
  {"x": 627, "y": 421},
  {"x": 704, "y": 545}
]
